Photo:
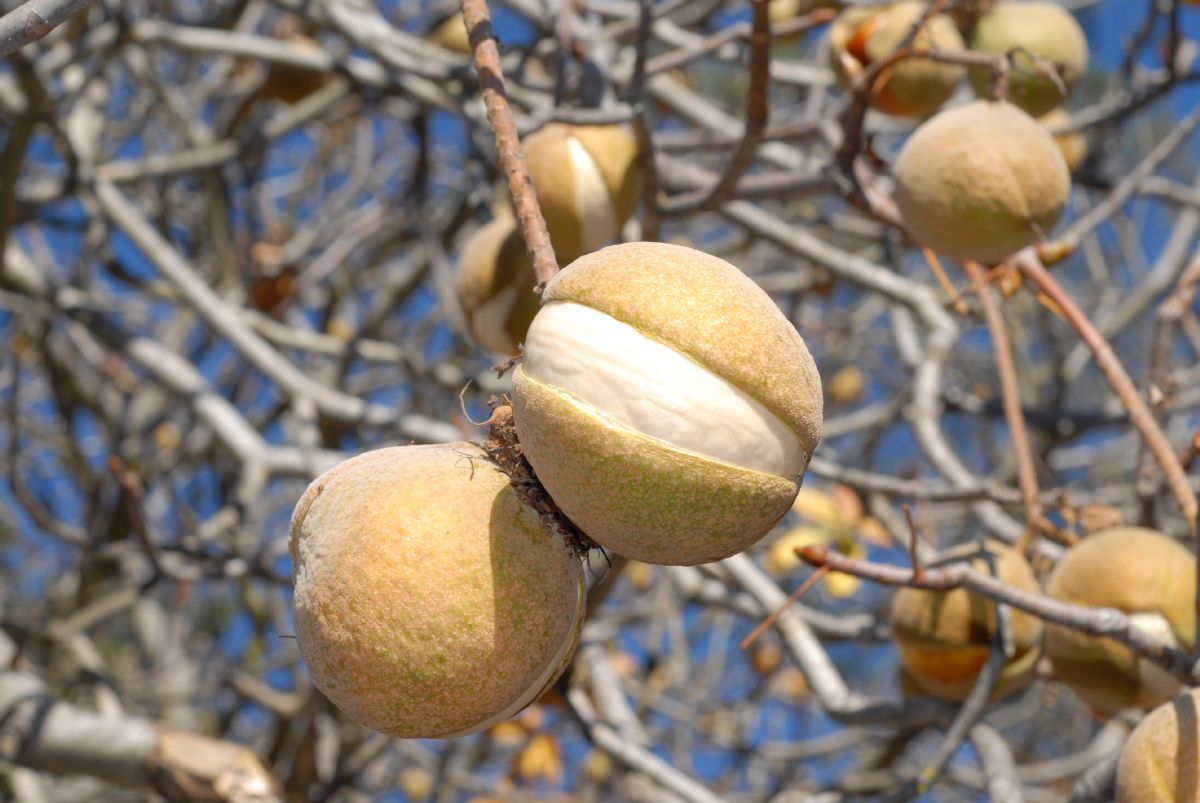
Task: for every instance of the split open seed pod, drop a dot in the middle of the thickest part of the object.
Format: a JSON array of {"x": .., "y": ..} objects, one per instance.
[
  {"x": 944, "y": 638},
  {"x": 865, "y": 35},
  {"x": 981, "y": 181},
  {"x": 1148, "y": 576},
  {"x": 1043, "y": 30},
  {"x": 430, "y": 600},
  {"x": 665, "y": 403},
  {"x": 495, "y": 286},
  {"x": 1161, "y": 760},
  {"x": 587, "y": 182}
]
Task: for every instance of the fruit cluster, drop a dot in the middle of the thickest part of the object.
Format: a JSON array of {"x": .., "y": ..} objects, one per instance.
[
  {"x": 983, "y": 180},
  {"x": 668, "y": 409},
  {"x": 944, "y": 638}
]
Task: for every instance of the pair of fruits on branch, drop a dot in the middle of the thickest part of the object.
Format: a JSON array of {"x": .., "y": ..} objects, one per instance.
[
  {"x": 1046, "y": 47},
  {"x": 668, "y": 410},
  {"x": 944, "y": 638}
]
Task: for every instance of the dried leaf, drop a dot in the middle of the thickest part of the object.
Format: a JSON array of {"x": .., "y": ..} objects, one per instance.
[
  {"x": 781, "y": 557},
  {"x": 508, "y": 733},
  {"x": 640, "y": 575},
  {"x": 1093, "y": 518},
  {"x": 541, "y": 759},
  {"x": 849, "y": 505},
  {"x": 597, "y": 766},
  {"x": 872, "y": 531},
  {"x": 818, "y": 507},
  {"x": 846, "y": 386}
]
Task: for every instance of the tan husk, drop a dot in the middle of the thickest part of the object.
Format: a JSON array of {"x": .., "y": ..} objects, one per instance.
[
  {"x": 495, "y": 286},
  {"x": 916, "y": 87},
  {"x": 981, "y": 181},
  {"x": 1135, "y": 570},
  {"x": 1073, "y": 145},
  {"x": 613, "y": 150},
  {"x": 638, "y": 496},
  {"x": 430, "y": 601},
  {"x": 943, "y": 638},
  {"x": 1043, "y": 29},
  {"x": 1161, "y": 760},
  {"x": 644, "y": 497}
]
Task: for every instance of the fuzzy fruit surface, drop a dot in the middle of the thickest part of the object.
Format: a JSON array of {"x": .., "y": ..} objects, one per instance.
[
  {"x": 915, "y": 87},
  {"x": 1045, "y": 30},
  {"x": 944, "y": 638},
  {"x": 665, "y": 404},
  {"x": 1148, "y": 576},
  {"x": 981, "y": 181},
  {"x": 1161, "y": 760},
  {"x": 430, "y": 601}
]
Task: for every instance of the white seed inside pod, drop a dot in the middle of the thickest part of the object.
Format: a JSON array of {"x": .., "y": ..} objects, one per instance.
[
  {"x": 612, "y": 369},
  {"x": 597, "y": 216}
]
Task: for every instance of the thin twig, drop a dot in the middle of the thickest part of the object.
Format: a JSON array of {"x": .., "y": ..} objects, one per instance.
[
  {"x": 33, "y": 19},
  {"x": 1011, "y": 397},
  {"x": 1139, "y": 413},
  {"x": 508, "y": 142}
]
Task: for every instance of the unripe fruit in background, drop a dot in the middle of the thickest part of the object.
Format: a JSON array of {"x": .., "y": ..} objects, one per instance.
[
  {"x": 495, "y": 286},
  {"x": 1045, "y": 30},
  {"x": 665, "y": 403},
  {"x": 451, "y": 33},
  {"x": 862, "y": 36},
  {"x": 587, "y": 183},
  {"x": 981, "y": 181},
  {"x": 944, "y": 638},
  {"x": 1150, "y": 577},
  {"x": 1073, "y": 146},
  {"x": 430, "y": 600},
  {"x": 1161, "y": 760}
]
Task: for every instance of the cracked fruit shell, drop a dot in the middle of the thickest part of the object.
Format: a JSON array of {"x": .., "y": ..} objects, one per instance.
[{"x": 665, "y": 403}]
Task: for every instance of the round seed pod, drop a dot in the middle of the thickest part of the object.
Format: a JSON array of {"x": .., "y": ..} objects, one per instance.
[
  {"x": 1045, "y": 30},
  {"x": 587, "y": 182},
  {"x": 944, "y": 638},
  {"x": 980, "y": 181},
  {"x": 495, "y": 286},
  {"x": 1161, "y": 760},
  {"x": 1073, "y": 146},
  {"x": 864, "y": 35},
  {"x": 665, "y": 403},
  {"x": 1148, "y": 576},
  {"x": 430, "y": 600}
]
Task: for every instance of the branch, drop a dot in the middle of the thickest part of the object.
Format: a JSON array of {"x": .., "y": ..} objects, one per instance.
[
  {"x": 42, "y": 733},
  {"x": 508, "y": 142},
  {"x": 1139, "y": 413},
  {"x": 1108, "y": 622},
  {"x": 32, "y": 20}
]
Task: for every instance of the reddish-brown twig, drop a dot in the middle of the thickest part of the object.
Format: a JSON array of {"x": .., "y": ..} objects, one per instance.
[
  {"x": 765, "y": 624},
  {"x": 757, "y": 111},
  {"x": 1010, "y": 396},
  {"x": 508, "y": 142},
  {"x": 1139, "y": 413}
]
